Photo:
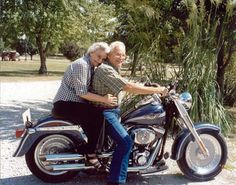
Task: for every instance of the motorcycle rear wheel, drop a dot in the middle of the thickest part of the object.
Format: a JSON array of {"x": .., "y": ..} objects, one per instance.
[
  {"x": 198, "y": 167},
  {"x": 51, "y": 144}
]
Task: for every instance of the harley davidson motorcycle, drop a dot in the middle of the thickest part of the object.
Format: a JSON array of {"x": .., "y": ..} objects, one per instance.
[{"x": 51, "y": 145}]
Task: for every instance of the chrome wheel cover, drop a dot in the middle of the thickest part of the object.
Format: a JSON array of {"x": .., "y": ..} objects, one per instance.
[
  {"x": 200, "y": 164},
  {"x": 53, "y": 144}
]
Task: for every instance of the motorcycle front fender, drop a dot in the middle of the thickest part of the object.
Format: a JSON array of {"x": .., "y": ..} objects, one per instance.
[
  {"x": 185, "y": 135},
  {"x": 32, "y": 135}
]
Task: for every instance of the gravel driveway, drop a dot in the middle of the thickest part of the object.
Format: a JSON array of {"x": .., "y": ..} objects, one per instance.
[{"x": 17, "y": 97}]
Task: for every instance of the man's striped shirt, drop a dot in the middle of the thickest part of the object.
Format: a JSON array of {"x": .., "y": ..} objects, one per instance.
[{"x": 107, "y": 80}]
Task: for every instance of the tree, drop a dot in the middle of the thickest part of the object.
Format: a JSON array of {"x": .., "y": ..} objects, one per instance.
[
  {"x": 204, "y": 49},
  {"x": 8, "y": 18},
  {"x": 93, "y": 21},
  {"x": 150, "y": 33},
  {"x": 44, "y": 22},
  {"x": 32, "y": 50},
  {"x": 50, "y": 23},
  {"x": 219, "y": 14},
  {"x": 226, "y": 40},
  {"x": 71, "y": 50},
  {"x": 1, "y": 45},
  {"x": 198, "y": 35},
  {"x": 41, "y": 21}
]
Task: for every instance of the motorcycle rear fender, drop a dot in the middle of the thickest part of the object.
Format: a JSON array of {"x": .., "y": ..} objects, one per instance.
[
  {"x": 179, "y": 143},
  {"x": 31, "y": 136}
]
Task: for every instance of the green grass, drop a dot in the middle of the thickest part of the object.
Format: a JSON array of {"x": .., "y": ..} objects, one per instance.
[{"x": 28, "y": 70}]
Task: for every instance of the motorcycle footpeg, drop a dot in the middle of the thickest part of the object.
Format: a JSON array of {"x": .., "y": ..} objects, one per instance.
[
  {"x": 166, "y": 155},
  {"x": 153, "y": 170},
  {"x": 160, "y": 163}
]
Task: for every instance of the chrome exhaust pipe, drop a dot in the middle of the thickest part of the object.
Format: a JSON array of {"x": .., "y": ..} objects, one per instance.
[
  {"x": 73, "y": 157},
  {"x": 69, "y": 167},
  {"x": 67, "y": 157},
  {"x": 61, "y": 157}
]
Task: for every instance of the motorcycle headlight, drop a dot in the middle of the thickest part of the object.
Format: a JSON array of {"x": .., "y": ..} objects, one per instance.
[{"x": 186, "y": 100}]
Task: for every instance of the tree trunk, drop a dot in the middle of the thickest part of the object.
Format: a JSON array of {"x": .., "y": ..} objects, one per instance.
[
  {"x": 220, "y": 74},
  {"x": 43, "y": 67},
  {"x": 134, "y": 64},
  {"x": 42, "y": 54}
]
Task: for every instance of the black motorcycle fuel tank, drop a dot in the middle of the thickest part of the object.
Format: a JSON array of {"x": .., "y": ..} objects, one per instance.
[{"x": 151, "y": 113}]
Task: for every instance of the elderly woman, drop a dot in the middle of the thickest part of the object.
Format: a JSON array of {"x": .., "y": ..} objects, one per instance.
[{"x": 71, "y": 100}]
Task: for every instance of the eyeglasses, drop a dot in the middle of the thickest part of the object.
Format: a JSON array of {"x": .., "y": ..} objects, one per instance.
[{"x": 123, "y": 56}]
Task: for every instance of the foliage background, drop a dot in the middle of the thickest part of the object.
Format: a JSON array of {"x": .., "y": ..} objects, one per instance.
[{"x": 193, "y": 41}]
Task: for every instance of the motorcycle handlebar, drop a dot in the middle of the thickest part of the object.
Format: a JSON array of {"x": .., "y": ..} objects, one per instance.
[
  {"x": 173, "y": 85},
  {"x": 150, "y": 84}
]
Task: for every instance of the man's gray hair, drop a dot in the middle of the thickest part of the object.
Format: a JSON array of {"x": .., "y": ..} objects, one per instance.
[
  {"x": 98, "y": 45},
  {"x": 117, "y": 44}
]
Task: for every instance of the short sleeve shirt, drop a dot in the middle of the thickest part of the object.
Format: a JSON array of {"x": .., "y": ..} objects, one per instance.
[
  {"x": 107, "y": 80},
  {"x": 76, "y": 81}
]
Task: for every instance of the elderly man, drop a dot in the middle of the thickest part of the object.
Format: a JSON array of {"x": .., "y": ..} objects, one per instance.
[{"x": 107, "y": 80}]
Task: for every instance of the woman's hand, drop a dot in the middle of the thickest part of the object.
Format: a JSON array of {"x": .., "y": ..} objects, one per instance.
[{"x": 110, "y": 100}]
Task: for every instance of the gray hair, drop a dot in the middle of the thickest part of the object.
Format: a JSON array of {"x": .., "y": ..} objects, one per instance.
[
  {"x": 98, "y": 45},
  {"x": 117, "y": 44}
]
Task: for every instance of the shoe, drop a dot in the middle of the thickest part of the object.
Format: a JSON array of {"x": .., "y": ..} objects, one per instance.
[{"x": 92, "y": 160}]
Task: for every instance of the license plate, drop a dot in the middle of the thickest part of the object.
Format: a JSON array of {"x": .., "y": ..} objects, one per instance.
[{"x": 26, "y": 117}]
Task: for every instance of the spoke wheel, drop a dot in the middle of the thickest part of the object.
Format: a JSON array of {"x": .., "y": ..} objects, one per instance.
[
  {"x": 195, "y": 165},
  {"x": 52, "y": 144}
]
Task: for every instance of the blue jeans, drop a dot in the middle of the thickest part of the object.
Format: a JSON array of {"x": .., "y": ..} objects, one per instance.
[{"x": 120, "y": 160}]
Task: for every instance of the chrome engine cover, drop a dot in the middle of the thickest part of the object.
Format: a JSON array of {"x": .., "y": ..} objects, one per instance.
[
  {"x": 144, "y": 136},
  {"x": 141, "y": 158}
]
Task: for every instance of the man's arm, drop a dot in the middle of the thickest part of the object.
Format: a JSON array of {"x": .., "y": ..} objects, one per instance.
[
  {"x": 139, "y": 89},
  {"x": 116, "y": 83},
  {"x": 107, "y": 99}
]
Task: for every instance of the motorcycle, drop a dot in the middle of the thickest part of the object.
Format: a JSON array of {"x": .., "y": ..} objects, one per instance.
[{"x": 51, "y": 145}]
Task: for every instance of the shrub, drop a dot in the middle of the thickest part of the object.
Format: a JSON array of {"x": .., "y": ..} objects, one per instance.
[{"x": 71, "y": 50}]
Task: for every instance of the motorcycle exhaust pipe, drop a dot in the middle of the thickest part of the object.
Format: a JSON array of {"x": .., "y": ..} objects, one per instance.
[
  {"x": 67, "y": 157},
  {"x": 61, "y": 157},
  {"x": 73, "y": 157},
  {"x": 68, "y": 167}
]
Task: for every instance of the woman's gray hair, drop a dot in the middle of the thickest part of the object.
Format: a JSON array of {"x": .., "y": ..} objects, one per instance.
[
  {"x": 98, "y": 45},
  {"x": 117, "y": 44}
]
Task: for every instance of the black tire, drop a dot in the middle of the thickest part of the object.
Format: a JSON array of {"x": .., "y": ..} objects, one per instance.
[
  {"x": 196, "y": 175},
  {"x": 34, "y": 168}
]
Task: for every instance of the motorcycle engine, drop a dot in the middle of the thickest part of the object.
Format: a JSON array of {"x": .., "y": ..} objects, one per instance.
[
  {"x": 144, "y": 139},
  {"x": 144, "y": 136},
  {"x": 141, "y": 157}
]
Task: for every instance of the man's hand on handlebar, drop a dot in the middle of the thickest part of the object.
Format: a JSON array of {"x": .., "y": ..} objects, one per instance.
[
  {"x": 163, "y": 91},
  {"x": 160, "y": 89}
]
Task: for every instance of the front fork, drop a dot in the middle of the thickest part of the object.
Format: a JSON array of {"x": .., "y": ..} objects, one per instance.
[{"x": 189, "y": 124}]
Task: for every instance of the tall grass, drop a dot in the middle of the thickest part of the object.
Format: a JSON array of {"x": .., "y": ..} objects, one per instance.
[
  {"x": 195, "y": 51},
  {"x": 230, "y": 84},
  {"x": 200, "y": 66}
]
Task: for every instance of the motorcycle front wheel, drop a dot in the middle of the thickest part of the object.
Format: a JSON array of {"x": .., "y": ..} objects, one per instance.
[
  {"x": 51, "y": 144},
  {"x": 198, "y": 167}
]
